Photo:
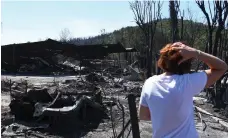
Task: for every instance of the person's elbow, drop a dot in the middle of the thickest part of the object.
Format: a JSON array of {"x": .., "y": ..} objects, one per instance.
[
  {"x": 144, "y": 117},
  {"x": 144, "y": 113},
  {"x": 225, "y": 66}
]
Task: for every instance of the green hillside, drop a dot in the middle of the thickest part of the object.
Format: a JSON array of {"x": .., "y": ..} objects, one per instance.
[{"x": 193, "y": 34}]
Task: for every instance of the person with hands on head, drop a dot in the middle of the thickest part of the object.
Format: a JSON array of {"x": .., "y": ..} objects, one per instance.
[{"x": 167, "y": 99}]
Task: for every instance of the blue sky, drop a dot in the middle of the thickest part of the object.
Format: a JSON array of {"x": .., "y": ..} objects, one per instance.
[{"x": 25, "y": 21}]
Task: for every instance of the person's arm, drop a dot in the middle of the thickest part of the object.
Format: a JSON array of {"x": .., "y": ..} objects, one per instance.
[
  {"x": 144, "y": 113},
  {"x": 216, "y": 65}
]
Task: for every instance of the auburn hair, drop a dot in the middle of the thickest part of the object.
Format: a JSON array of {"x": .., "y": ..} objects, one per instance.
[{"x": 169, "y": 59}]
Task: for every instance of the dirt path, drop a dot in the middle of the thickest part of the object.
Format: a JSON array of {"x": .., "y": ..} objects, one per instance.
[{"x": 39, "y": 80}]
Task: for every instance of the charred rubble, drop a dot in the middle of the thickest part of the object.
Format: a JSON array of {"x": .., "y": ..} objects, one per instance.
[
  {"x": 38, "y": 104},
  {"x": 218, "y": 94},
  {"x": 80, "y": 104}
]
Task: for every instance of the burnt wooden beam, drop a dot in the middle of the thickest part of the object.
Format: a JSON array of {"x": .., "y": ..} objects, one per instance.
[
  {"x": 133, "y": 115},
  {"x": 123, "y": 130},
  {"x": 78, "y": 93}
]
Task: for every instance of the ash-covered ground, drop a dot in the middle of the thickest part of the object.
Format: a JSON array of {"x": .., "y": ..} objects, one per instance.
[{"x": 102, "y": 117}]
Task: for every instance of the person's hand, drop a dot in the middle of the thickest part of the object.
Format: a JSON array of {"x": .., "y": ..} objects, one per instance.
[{"x": 185, "y": 51}]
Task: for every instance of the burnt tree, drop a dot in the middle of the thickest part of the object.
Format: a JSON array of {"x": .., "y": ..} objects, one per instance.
[
  {"x": 223, "y": 49},
  {"x": 147, "y": 14},
  {"x": 65, "y": 35},
  {"x": 174, "y": 9},
  {"x": 222, "y": 11},
  {"x": 194, "y": 32},
  {"x": 215, "y": 22}
]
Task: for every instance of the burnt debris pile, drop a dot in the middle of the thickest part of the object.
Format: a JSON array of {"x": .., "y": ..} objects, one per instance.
[
  {"x": 79, "y": 104},
  {"x": 218, "y": 94},
  {"x": 38, "y": 104}
]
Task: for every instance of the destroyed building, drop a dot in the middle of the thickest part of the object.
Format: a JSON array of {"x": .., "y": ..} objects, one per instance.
[{"x": 48, "y": 57}]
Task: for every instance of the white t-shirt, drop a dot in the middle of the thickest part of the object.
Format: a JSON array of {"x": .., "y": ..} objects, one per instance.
[{"x": 170, "y": 100}]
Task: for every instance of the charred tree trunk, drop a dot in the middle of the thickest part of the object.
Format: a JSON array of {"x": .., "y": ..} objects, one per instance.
[
  {"x": 147, "y": 14},
  {"x": 221, "y": 19},
  {"x": 182, "y": 27},
  {"x": 149, "y": 63},
  {"x": 209, "y": 50},
  {"x": 210, "y": 24},
  {"x": 174, "y": 7}
]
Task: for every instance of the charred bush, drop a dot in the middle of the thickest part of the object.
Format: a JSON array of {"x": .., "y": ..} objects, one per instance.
[
  {"x": 23, "y": 110},
  {"x": 94, "y": 77},
  {"x": 39, "y": 95}
]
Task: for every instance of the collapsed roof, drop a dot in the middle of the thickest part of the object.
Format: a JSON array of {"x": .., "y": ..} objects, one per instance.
[
  {"x": 43, "y": 55},
  {"x": 49, "y": 46}
]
